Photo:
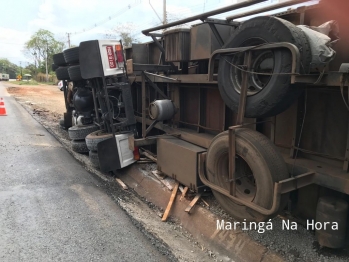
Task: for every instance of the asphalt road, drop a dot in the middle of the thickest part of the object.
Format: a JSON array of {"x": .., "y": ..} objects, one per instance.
[{"x": 51, "y": 208}]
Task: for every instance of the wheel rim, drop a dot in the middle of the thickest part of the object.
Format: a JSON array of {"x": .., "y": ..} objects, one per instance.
[
  {"x": 262, "y": 63},
  {"x": 245, "y": 182}
]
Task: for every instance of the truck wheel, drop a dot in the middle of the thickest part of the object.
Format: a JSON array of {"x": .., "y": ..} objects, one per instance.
[
  {"x": 54, "y": 67},
  {"x": 268, "y": 95},
  {"x": 80, "y": 132},
  {"x": 94, "y": 138},
  {"x": 93, "y": 155},
  {"x": 58, "y": 59},
  {"x": 258, "y": 167},
  {"x": 62, "y": 73},
  {"x": 79, "y": 146},
  {"x": 71, "y": 55},
  {"x": 75, "y": 73}
]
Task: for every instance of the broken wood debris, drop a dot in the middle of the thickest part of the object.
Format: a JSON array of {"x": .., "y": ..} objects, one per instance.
[
  {"x": 122, "y": 184},
  {"x": 193, "y": 202},
  {"x": 165, "y": 180},
  {"x": 205, "y": 202},
  {"x": 184, "y": 192},
  {"x": 170, "y": 203},
  {"x": 150, "y": 157}
]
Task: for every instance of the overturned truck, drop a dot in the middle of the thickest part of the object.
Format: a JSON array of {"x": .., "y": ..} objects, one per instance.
[{"x": 255, "y": 110}]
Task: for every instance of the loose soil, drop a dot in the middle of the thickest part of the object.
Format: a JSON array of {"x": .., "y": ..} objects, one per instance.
[{"x": 44, "y": 99}]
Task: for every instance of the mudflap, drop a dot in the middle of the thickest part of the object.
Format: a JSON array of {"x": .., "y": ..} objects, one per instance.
[
  {"x": 67, "y": 120},
  {"x": 108, "y": 155}
]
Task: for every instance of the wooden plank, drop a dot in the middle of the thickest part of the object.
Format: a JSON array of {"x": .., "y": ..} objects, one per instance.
[
  {"x": 184, "y": 192},
  {"x": 170, "y": 203},
  {"x": 205, "y": 202},
  {"x": 150, "y": 157},
  {"x": 193, "y": 202},
  {"x": 165, "y": 180},
  {"x": 158, "y": 174},
  {"x": 122, "y": 184}
]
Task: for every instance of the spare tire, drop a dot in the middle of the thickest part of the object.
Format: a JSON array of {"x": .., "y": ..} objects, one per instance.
[
  {"x": 268, "y": 95},
  {"x": 94, "y": 138},
  {"x": 80, "y": 132},
  {"x": 94, "y": 158},
  {"x": 71, "y": 55},
  {"x": 62, "y": 73},
  {"x": 258, "y": 166},
  {"x": 79, "y": 146},
  {"x": 58, "y": 59}
]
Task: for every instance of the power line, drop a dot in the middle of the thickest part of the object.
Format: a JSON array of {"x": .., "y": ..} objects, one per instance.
[{"x": 109, "y": 18}]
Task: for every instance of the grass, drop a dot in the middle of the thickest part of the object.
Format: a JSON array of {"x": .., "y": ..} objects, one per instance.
[
  {"x": 48, "y": 83},
  {"x": 31, "y": 82}
]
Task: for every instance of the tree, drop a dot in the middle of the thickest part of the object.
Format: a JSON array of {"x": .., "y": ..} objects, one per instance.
[
  {"x": 41, "y": 47},
  {"x": 7, "y": 67},
  {"x": 125, "y": 32}
]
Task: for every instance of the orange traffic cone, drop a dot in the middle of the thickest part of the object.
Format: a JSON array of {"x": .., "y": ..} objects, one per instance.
[{"x": 2, "y": 108}]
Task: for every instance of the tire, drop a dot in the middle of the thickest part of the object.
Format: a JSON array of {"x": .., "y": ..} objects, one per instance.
[
  {"x": 54, "y": 67},
  {"x": 80, "y": 132},
  {"x": 58, "y": 59},
  {"x": 94, "y": 138},
  {"x": 258, "y": 167},
  {"x": 62, "y": 73},
  {"x": 71, "y": 55},
  {"x": 79, "y": 146},
  {"x": 267, "y": 96},
  {"x": 75, "y": 73},
  {"x": 61, "y": 123},
  {"x": 93, "y": 155}
]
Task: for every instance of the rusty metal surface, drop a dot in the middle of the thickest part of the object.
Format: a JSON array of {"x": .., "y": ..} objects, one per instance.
[
  {"x": 177, "y": 45},
  {"x": 184, "y": 79},
  {"x": 315, "y": 80},
  {"x": 284, "y": 124},
  {"x": 190, "y": 105},
  {"x": 179, "y": 159},
  {"x": 200, "y": 139},
  {"x": 214, "y": 110},
  {"x": 326, "y": 123},
  {"x": 244, "y": 87},
  {"x": 144, "y": 111},
  {"x": 328, "y": 175},
  {"x": 138, "y": 53},
  {"x": 154, "y": 54},
  {"x": 203, "y": 42}
]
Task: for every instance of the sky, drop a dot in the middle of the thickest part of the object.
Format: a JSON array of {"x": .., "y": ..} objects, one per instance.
[{"x": 89, "y": 19}]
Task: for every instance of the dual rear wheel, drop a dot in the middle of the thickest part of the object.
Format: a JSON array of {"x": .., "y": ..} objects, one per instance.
[{"x": 258, "y": 167}]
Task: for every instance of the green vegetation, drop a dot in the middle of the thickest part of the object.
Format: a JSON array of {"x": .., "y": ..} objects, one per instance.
[
  {"x": 27, "y": 83},
  {"x": 7, "y": 67},
  {"x": 41, "y": 47}
]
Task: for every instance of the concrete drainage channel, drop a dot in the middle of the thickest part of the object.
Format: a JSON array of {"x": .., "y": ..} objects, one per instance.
[{"x": 194, "y": 236}]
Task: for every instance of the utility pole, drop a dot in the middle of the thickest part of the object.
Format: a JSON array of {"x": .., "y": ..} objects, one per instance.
[
  {"x": 68, "y": 34},
  {"x": 46, "y": 62},
  {"x": 20, "y": 64},
  {"x": 164, "y": 13}
]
